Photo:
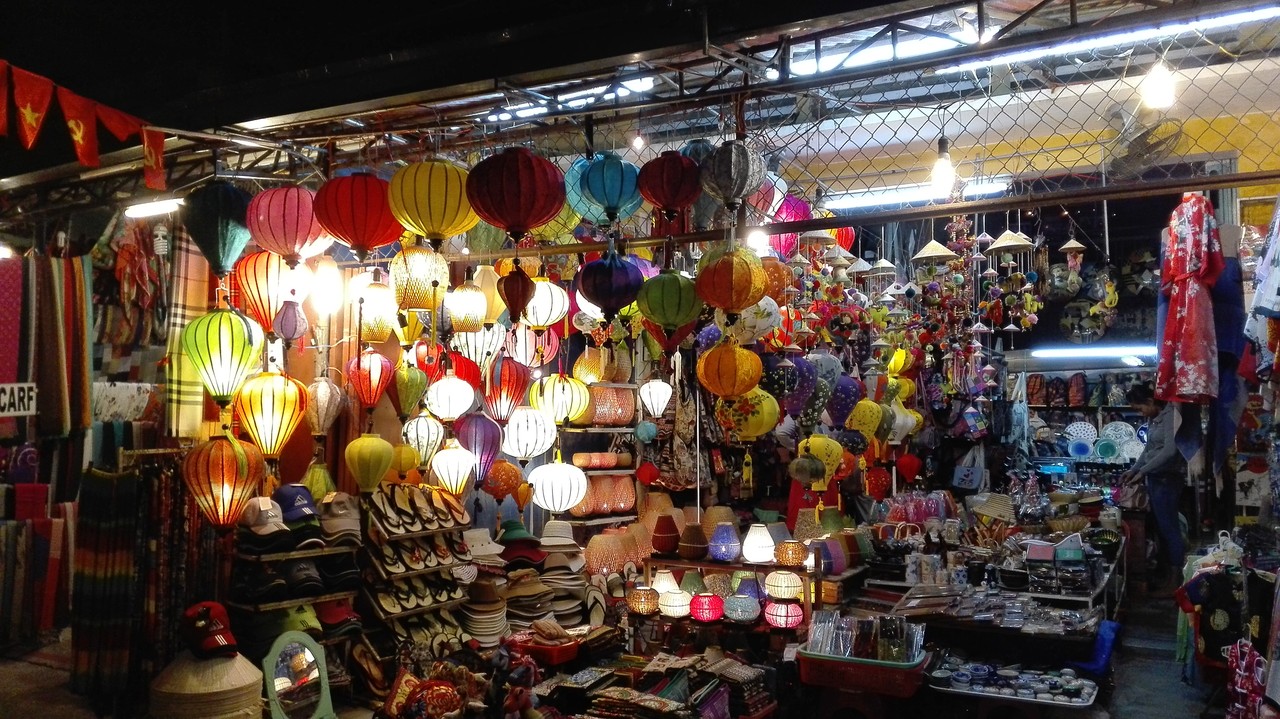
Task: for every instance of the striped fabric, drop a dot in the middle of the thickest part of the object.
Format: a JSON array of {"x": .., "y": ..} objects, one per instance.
[
  {"x": 190, "y": 281},
  {"x": 53, "y": 401}
]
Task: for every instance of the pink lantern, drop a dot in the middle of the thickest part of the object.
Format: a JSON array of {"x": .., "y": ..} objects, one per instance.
[
  {"x": 792, "y": 209},
  {"x": 282, "y": 220}
]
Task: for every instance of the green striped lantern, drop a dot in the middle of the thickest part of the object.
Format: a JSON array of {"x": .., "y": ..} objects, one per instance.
[
  {"x": 223, "y": 345},
  {"x": 669, "y": 299}
]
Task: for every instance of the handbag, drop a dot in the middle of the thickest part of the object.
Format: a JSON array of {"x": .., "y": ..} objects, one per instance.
[
  {"x": 1131, "y": 496},
  {"x": 970, "y": 472}
]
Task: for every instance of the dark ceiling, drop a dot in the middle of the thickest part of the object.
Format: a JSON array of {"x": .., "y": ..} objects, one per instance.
[{"x": 224, "y": 63}]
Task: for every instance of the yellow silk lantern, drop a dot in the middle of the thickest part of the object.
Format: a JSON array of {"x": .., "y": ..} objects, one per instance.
[
  {"x": 368, "y": 459},
  {"x": 467, "y": 306},
  {"x": 749, "y": 416},
  {"x": 430, "y": 198},
  {"x": 733, "y": 281},
  {"x": 825, "y": 449},
  {"x": 865, "y": 417},
  {"x": 486, "y": 278},
  {"x": 420, "y": 277},
  {"x": 561, "y": 225},
  {"x": 270, "y": 406},
  {"x": 404, "y": 458},
  {"x": 728, "y": 371},
  {"x": 566, "y": 398}
]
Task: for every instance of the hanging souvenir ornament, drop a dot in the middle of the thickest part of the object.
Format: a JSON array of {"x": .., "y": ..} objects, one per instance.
[
  {"x": 671, "y": 182},
  {"x": 732, "y": 280},
  {"x": 732, "y": 172},
  {"x": 516, "y": 190},
  {"x": 215, "y": 214}
]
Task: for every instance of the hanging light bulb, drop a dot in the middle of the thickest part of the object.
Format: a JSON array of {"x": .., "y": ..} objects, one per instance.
[
  {"x": 943, "y": 177},
  {"x": 325, "y": 273},
  {"x": 637, "y": 142},
  {"x": 1157, "y": 88},
  {"x": 758, "y": 241}
]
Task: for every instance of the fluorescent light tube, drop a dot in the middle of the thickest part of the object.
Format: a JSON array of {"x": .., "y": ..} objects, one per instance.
[{"x": 1092, "y": 351}]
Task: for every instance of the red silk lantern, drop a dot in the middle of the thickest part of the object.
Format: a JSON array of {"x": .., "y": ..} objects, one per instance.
[
  {"x": 516, "y": 289},
  {"x": 369, "y": 373},
  {"x": 516, "y": 190},
  {"x": 670, "y": 182},
  {"x": 669, "y": 340},
  {"x": 648, "y": 473},
  {"x": 508, "y": 385},
  {"x": 437, "y": 365},
  {"x": 283, "y": 220},
  {"x": 908, "y": 466},
  {"x": 258, "y": 278},
  {"x": 357, "y": 211}
]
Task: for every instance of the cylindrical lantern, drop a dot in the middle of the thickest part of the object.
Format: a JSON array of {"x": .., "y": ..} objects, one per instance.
[
  {"x": 557, "y": 486},
  {"x": 669, "y": 300},
  {"x": 419, "y": 277},
  {"x": 506, "y": 387},
  {"x": 547, "y": 306},
  {"x": 449, "y": 397},
  {"x": 706, "y": 607},
  {"x": 223, "y": 476},
  {"x": 356, "y": 210},
  {"x": 732, "y": 172},
  {"x": 757, "y": 545},
  {"x": 531, "y": 349},
  {"x": 724, "y": 545},
  {"x": 516, "y": 190},
  {"x": 611, "y": 406},
  {"x": 369, "y": 457},
  {"x": 728, "y": 370},
  {"x": 270, "y": 406},
  {"x": 741, "y": 608},
  {"x": 429, "y": 198},
  {"x": 783, "y": 584},
  {"x": 325, "y": 402},
  {"x": 665, "y": 536},
  {"x": 223, "y": 345},
  {"x": 693, "y": 543},
  {"x": 215, "y": 214},
  {"x": 452, "y": 467},
  {"x": 642, "y": 600},
  {"x": 486, "y": 279},
  {"x": 467, "y": 305},
  {"x": 783, "y": 615},
  {"x": 565, "y": 398},
  {"x": 480, "y": 346},
  {"x": 656, "y": 396},
  {"x": 790, "y": 553},
  {"x": 674, "y": 605},
  {"x": 283, "y": 220},
  {"x": 529, "y": 433},
  {"x": 369, "y": 373},
  {"x": 424, "y": 433},
  {"x": 665, "y": 581}
]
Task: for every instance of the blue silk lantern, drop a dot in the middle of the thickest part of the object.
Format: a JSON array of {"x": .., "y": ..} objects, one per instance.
[
  {"x": 585, "y": 205},
  {"x": 724, "y": 544},
  {"x": 612, "y": 183},
  {"x": 610, "y": 283}
]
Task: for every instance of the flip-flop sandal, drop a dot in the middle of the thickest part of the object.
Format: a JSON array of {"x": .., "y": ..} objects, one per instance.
[
  {"x": 408, "y": 515},
  {"x": 438, "y": 590},
  {"x": 404, "y": 595},
  {"x": 458, "y": 591},
  {"x": 371, "y": 670},
  {"x": 387, "y": 600},
  {"x": 447, "y": 620},
  {"x": 428, "y": 550},
  {"x": 420, "y": 635},
  {"x": 386, "y": 514},
  {"x": 456, "y": 510},
  {"x": 460, "y": 550},
  {"x": 422, "y": 592},
  {"x": 386, "y": 555},
  {"x": 442, "y": 509},
  {"x": 441, "y": 548},
  {"x": 411, "y": 555},
  {"x": 422, "y": 505},
  {"x": 399, "y": 630}
]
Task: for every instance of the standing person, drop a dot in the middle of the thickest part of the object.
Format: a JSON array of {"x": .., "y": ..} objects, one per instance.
[{"x": 1164, "y": 471}]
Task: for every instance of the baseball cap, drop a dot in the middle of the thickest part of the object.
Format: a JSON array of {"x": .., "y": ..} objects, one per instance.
[
  {"x": 337, "y": 617},
  {"x": 295, "y": 501},
  {"x": 302, "y": 576},
  {"x": 302, "y": 618},
  {"x": 340, "y": 519},
  {"x": 307, "y": 533},
  {"x": 263, "y": 516},
  {"x": 207, "y": 630}
]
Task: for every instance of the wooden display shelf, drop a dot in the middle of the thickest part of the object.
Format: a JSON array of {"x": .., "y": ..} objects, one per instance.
[
  {"x": 606, "y": 472},
  {"x": 602, "y": 430},
  {"x": 386, "y": 618},
  {"x": 399, "y": 536},
  {"x": 391, "y": 577},
  {"x": 297, "y": 554},
  {"x": 615, "y": 385},
  {"x": 287, "y": 603},
  {"x": 598, "y": 521}
]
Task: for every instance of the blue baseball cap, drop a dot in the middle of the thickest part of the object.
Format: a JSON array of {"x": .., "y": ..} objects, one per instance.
[{"x": 295, "y": 502}]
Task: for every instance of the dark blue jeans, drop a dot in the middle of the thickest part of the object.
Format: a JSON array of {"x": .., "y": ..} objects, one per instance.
[{"x": 1165, "y": 494}]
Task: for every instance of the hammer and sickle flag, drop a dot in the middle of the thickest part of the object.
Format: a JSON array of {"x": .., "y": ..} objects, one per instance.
[{"x": 81, "y": 115}]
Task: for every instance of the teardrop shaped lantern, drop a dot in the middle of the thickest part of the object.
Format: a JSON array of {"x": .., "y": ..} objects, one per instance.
[
  {"x": 429, "y": 198},
  {"x": 290, "y": 323},
  {"x": 655, "y": 395},
  {"x": 467, "y": 306},
  {"x": 369, "y": 373},
  {"x": 732, "y": 281},
  {"x": 410, "y": 383},
  {"x": 506, "y": 387},
  {"x": 325, "y": 403},
  {"x": 449, "y": 397},
  {"x": 270, "y": 406},
  {"x": 669, "y": 300},
  {"x": 223, "y": 476},
  {"x": 610, "y": 182},
  {"x": 548, "y": 305},
  {"x": 425, "y": 433},
  {"x": 516, "y": 190},
  {"x": 728, "y": 370},
  {"x": 610, "y": 283},
  {"x": 215, "y": 216},
  {"x": 529, "y": 433},
  {"x": 486, "y": 278},
  {"x": 452, "y": 467},
  {"x": 223, "y": 345},
  {"x": 481, "y": 346},
  {"x": 482, "y": 437},
  {"x": 564, "y": 397},
  {"x": 369, "y": 458},
  {"x": 516, "y": 289},
  {"x": 671, "y": 182},
  {"x": 283, "y": 220},
  {"x": 356, "y": 210},
  {"x": 531, "y": 349},
  {"x": 731, "y": 173},
  {"x": 377, "y": 311},
  {"x": 420, "y": 277}
]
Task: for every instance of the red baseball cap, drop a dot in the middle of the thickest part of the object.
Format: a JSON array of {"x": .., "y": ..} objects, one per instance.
[
  {"x": 335, "y": 611},
  {"x": 207, "y": 630}
]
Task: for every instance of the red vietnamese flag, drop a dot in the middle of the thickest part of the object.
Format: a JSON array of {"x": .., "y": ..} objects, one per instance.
[
  {"x": 81, "y": 115},
  {"x": 120, "y": 124},
  {"x": 32, "y": 94},
  {"x": 4, "y": 98},
  {"x": 153, "y": 158}
]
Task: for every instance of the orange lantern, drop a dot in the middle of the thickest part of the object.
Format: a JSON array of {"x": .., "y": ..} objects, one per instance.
[
  {"x": 727, "y": 370},
  {"x": 777, "y": 278},
  {"x": 223, "y": 476},
  {"x": 731, "y": 281}
]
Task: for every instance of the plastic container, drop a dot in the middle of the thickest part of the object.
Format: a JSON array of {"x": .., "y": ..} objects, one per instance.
[
  {"x": 551, "y": 656},
  {"x": 867, "y": 675}
]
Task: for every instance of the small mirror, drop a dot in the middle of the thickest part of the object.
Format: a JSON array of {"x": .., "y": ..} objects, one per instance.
[{"x": 297, "y": 679}]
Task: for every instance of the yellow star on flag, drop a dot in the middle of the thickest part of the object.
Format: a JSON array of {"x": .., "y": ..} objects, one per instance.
[{"x": 30, "y": 116}]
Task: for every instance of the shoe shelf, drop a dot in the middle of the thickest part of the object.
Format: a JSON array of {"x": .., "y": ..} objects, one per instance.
[
  {"x": 435, "y": 607},
  {"x": 393, "y": 576},
  {"x": 288, "y": 603},
  {"x": 296, "y": 554},
  {"x": 394, "y": 536}
]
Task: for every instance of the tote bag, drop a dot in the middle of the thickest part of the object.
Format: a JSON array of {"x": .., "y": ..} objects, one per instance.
[{"x": 970, "y": 472}]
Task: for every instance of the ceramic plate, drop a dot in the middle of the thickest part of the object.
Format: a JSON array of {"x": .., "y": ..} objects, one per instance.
[
  {"x": 1081, "y": 430},
  {"x": 1106, "y": 448},
  {"x": 1080, "y": 448},
  {"x": 1119, "y": 432},
  {"x": 1132, "y": 449}
]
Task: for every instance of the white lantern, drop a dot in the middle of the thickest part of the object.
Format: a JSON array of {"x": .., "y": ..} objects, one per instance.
[
  {"x": 466, "y": 306},
  {"x": 783, "y": 585},
  {"x": 424, "y": 433},
  {"x": 674, "y": 605},
  {"x": 664, "y": 581},
  {"x": 757, "y": 546},
  {"x": 449, "y": 397},
  {"x": 655, "y": 395},
  {"x": 558, "y": 487},
  {"x": 480, "y": 346},
  {"x": 486, "y": 279},
  {"x": 549, "y": 305},
  {"x": 528, "y": 434},
  {"x": 452, "y": 467}
]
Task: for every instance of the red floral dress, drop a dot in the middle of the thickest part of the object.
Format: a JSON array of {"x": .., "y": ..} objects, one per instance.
[{"x": 1187, "y": 370}]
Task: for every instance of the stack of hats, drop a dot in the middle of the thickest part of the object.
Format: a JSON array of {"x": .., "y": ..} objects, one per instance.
[
  {"x": 338, "y": 619},
  {"x": 340, "y": 520},
  {"x": 563, "y": 573},
  {"x": 300, "y": 515},
  {"x": 261, "y": 529},
  {"x": 519, "y": 548},
  {"x": 484, "y": 616},
  {"x": 486, "y": 554},
  {"x": 528, "y": 599},
  {"x": 557, "y": 537},
  {"x": 194, "y": 688}
]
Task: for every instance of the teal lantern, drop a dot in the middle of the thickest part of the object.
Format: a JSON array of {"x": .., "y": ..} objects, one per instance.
[
  {"x": 215, "y": 215},
  {"x": 611, "y": 182}
]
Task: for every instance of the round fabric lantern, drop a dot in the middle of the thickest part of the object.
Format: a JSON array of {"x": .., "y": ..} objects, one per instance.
[
  {"x": 424, "y": 433},
  {"x": 783, "y": 615},
  {"x": 783, "y": 584},
  {"x": 826, "y": 449},
  {"x": 728, "y": 370},
  {"x": 909, "y": 466},
  {"x": 223, "y": 345},
  {"x": 290, "y": 323},
  {"x": 406, "y": 389},
  {"x": 369, "y": 458},
  {"x": 778, "y": 278},
  {"x": 270, "y": 406},
  {"x": 755, "y": 322},
  {"x": 516, "y": 191},
  {"x": 731, "y": 173},
  {"x": 669, "y": 300},
  {"x": 865, "y": 417},
  {"x": 844, "y": 396},
  {"x": 610, "y": 283},
  {"x": 790, "y": 553},
  {"x": 674, "y": 605},
  {"x": 430, "y": 199},
  {"x": 467, "y": 307},
  {"x": 486, "y": 279},
  {"x": 642, "y": 600},
  {"x": 665, "y": 581},
  {"x": 724, "y": 545},
  {"x": 757, "y": 545},
  {"x": 377, "y": 313},
  {"x": 437, "y": 364},
  {"x": 706, "y": 607},
  {"x": 665, "y": 535},
  {"x": 259, "y": 280},
  {"x": 557, "y": 487},
  {"x": 480, "y": 346},
  {"x": 420, "y": 278},
  {"x": 449, "y": 397},
  {"x": 503, "y": 479},
  {"x": 655, "y": 395},
  {"x": 325, "y": 402},
  {"x": 452, "y": 467},
  {"x": 482, "y": 437},
  {"x": 215, "y": 215},
  {"x": 507, "y": 384},
  {"x": 731, "y": 281},
  {"x": 369, "y": 373},
  {"x": 791, "y": 209},
  {"x": 610, "y": 182},
  {"x": 283, "y": 220},
  {"x": 223, "y": 476},
  {"x": 560, "y": 229},
  {"x": 404, "y": 458},
  {"x": 356, "y": 210},
  {"x": 741, "y": 608},
  {"x": 564, "y": 397},
  {"x": 531, "y": 349},
  {"x": 749, "y": 416},
  {"x": 547, "y": 306},
  {"x": 671, "y": 182},
  {"x": 529, "y": 433}
]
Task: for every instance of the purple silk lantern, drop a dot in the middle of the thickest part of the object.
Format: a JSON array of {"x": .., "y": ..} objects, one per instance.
[
  {"x": 290, "y": 323},
  {"x": 609, "y": 283},
  {"x": 707, "y": 338},
  {"x": 482, "y": 437},
  {"x": 843, "y": 398},
  {"x": 778, "y": 377},
  {"x": 806, "y": 381},
  {"x": 647, "y": 268}
]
